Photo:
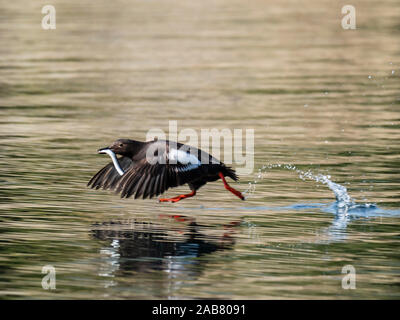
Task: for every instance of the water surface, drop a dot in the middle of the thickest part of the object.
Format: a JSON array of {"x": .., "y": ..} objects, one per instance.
[{"x": 324, "y": 103}]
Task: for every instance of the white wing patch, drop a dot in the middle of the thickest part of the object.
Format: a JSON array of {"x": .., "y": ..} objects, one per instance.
[{"x": 182, "y": 157}]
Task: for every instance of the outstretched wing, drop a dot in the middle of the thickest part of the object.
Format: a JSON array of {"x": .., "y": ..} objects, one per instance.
[
  {"x": 152, "y": 176},
  {"x": 108, "y": 177}
]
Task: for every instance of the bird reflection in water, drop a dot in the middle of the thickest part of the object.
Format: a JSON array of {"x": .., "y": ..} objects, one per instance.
[{"x": 172, "y": 244}]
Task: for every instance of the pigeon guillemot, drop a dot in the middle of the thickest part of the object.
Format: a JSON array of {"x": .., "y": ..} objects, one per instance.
[{"x": 148, "y": 169}]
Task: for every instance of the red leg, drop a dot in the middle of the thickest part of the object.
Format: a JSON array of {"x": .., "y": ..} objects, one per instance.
[
  {"x": 178, "y": 218},
  {"x": 178, "y": 198},
  {"x": 228, "y": 187}
]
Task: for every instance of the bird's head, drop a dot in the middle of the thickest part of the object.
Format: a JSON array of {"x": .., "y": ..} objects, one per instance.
[{"x": 123, "y": 147}]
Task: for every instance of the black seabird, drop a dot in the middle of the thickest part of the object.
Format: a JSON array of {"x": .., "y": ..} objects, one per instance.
[{"x": 147, "y": 169}]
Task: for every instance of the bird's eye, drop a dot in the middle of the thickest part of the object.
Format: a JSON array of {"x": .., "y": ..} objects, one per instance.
[{"x": 121, "y": 145}]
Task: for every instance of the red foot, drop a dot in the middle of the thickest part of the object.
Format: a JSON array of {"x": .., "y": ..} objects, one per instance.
[
  {"x": 178, "y": 198},
  {"x": 178, "y": 218},
  {"x": 228, "y": 187}
]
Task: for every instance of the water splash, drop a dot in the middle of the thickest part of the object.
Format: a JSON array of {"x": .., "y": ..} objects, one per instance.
[
  {"x": 343, "y": 199},
  {"x": 344, "y": 207}
]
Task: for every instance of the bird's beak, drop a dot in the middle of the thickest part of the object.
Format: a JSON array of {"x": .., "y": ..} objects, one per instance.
[{"x": 103, "y": 150}]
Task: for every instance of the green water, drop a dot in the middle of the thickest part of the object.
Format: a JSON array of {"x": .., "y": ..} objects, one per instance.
[{"x": 318, "y": 97}]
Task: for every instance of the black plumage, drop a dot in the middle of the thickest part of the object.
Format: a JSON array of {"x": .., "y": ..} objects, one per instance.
[{"x": 150, "y": 168}]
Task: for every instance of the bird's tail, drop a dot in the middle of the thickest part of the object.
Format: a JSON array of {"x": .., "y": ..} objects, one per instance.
[{"x": 229, "y": 172}]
